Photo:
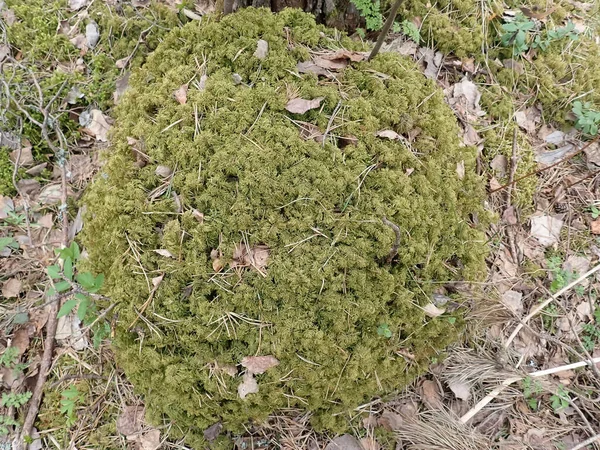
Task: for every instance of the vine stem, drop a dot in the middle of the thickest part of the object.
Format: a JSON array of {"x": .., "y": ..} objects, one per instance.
[{"x": 385, "y": 30}]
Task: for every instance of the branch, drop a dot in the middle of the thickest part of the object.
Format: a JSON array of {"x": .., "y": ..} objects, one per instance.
[
  {"x": 394, "y": 250},
  {"x": 385, "y": 29}
]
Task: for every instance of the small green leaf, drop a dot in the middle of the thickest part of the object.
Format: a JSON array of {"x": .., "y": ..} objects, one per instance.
[
  {"x": 21, "y": 318},
  {"x": 452, "y": 320},
  {"x": 62, "y": 286},
  {"x": 86, "y": 279},
  {"x": 75, "y": 251},
  {"x": 83, "y": 307},
  {"x": 53, "y": 271},
  {"x": 99, "y": 281},
  {"x": 8, "y": 242},
  {"x": 68, "y": 268},
  {"x": 67, "y": 307}
]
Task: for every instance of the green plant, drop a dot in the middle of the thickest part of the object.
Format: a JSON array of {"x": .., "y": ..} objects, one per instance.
[
  {"x": 590, "y": 335},
  {"x": 370, "y": 10},
  {"x": 15, "y": 219},
  {"x": 588, "y": 119},
  {"x": 188, "y": 305},
  {"x": 561, "y": 277},
  {"x": 561, "y": 399},
  {"x": 6, "y": 422},
  {"x": 595, "y": 211},
  {"x": 516, "y": 34},
  {"x": 543, "y": 42},
  {"x": 10, "y": 357},
  {"x": 384, "y": 330},
  {"x": 70, "y": 398},
  {"x": 77, "y": 286},
  {"x": 8, "y": 242},
  {"x": 15, "y": 400},
  {"x": 411, "y": 30},
  {"x": 531, "y": 390}
]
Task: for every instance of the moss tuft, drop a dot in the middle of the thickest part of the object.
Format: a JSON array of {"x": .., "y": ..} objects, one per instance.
[{"x": 239, "y": 159}]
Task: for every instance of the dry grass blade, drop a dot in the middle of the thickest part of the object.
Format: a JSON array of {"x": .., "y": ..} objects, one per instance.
[
  {"x": 465, "y": 366},
  {"x": 438, "y": 430}
]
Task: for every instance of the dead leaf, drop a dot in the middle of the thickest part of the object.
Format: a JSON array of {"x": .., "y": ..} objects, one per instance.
[
  {"x": 595, "y": 226},
  {"x": 217, "y": 265},
  {"x": 402, "y": 46},
  {"x": 229, "y": 369},
  {"x": 130, "y": 421},
  {"x": 20, "y": 340},
  {"x": 433, "y": 61},
  {"x": 79, "y": 41},
  {"x": 212, "y": 432},
  {"x": 4, "y": 52},
  {"x": 92, "y": 34},
  {"x": 547, "y": 158},
  {"x": 499, "y": 164},
  {"x": 247, "y": 386},
  {"x": 181, "y": 94},
  {"x": 431, "y": 395},
  {"x": 262, "y": 49},
  {"x": 433, "y": 311},
  {"x": 536, "y": 13},
  {"x": 122, "y": 63},
  {"x": 344, "y": 54},
  {"x": 388, "y": 134},
  {"x": 164, "y": 252},
  {"x": 528, "y": 119},
  {"x": 390, "y": 420},
  {"x": 30, "y": 187},
  {"x": 370, "y": 443},
  {"x": 576, "y": 264},
  {"x": 310, "y": 131},
  {"x": 460, "y": 169},
  {"x": 461, "y": 390},
  {"x": 51, "y": 194},
  {"x": 11, "y": 288},
  {"x": 69, "y": 334},
  {"x": 468, "y": 65},
  {"x": 46, "y": 221},
  {"x": 557, "y": 137},
  {"x": 198, "y": 216},
  {"x": 36, "y": 170},
  {"x": 311, "y": 67},
  {"x": 256, "y": 256},
  {"x": 513, "y": 300},
  {"x": 25, "y": 158},
  {"x": 300, "y": 106},
  {"x": 592, "y": 153},
  {"x": 464, "y": 98},
  {"x": 6, "y": 205},
  {"x": 470, "y": 136},
  {"x": 513, "y": 65},
  {"x": 150, "y": 440},
  {"x": 259, "y": 364},
  {"x": 546, "y": 229},
  {"x": 77, "y": 224},
  {"x": 74, "y": 95},
  {"x": 344, "y": 442},
  {"x": 163, "y": 171},
  {"x": 77, "y": 4},
  {"x": 584, "y": 311},
  {"x": 95, "y": 124}
]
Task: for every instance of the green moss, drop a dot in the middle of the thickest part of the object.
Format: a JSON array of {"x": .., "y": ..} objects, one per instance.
[
  {"x": 240, "y": 160},
  {"x": 6, "y": 172}
]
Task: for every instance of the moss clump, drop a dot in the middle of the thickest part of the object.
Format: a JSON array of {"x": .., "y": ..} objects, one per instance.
[
  {"x": 6, "y": 172},
  {"x": 238, "y": 158}
]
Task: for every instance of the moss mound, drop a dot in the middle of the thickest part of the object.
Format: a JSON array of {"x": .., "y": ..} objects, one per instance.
[{"x": 325, "y": 300}]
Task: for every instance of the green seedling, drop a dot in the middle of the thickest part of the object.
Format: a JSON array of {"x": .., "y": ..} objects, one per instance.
[
  {"x": 516, "y": 34},
  {"x": 531, "y": 390},
  {"x": 411, "y": 30},
  {"x": 371, "y": 11},
  {"x": 560, "y": 400},
  {"x": 15, "y": 400},
  {"x": 588, "y": 119},
  {"x": 384, "y": 330},
  {"x": 70, "y": 398},
  {"x": 8, "y": 242}
]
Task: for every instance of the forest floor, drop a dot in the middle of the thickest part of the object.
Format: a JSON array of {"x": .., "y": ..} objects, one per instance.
[{"x": 520, "y": 379}]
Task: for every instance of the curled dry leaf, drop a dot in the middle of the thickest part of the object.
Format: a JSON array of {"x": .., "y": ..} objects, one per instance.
[
  {"x": 595, "y": 226},
  {"x": 509, "y": 216},
  {"x": 181, "y": 94},
  {"x": 51, "y": 194},
  {"x": 92, "y": 34},
  {"x": 310, "y": 131},
  {"x": 247, "y": 386},
  {"x": 431, "y": 395},
  {"x": 513, "y": 300},
  {"x": 460, "y": 389},
  {"x": 25, "y": 158},
  {"x": 433, "y": 311},
  {"x": 552, "y": 156},
  {"x": 465, "y": 97},
  {"x": 149, "y": 440},
  {"x": 262, "y": 49},
  {"x": 212, "y": 432},
  {"x": 388, "y": 134},
  {"x": 95, "y": 124},
  {"x": 499, "y": 164},
  {"x": 311, "y": 67},
  {"x": 12, "y": 288},
  {"x": 130, "y": 421},
  {"x": 30, "y": 187},
  {"x": 198, "y": 216},
  {"x": 300, "y": 105},
  {"x": 163, "y": 171},
  {"x": 528, "y": 119},
  {"x": 256, "y": 256},
  {"x": 259, "y": 364},
  {"x": 546, "y": 229},
  {"x": 164, "y": 252}
]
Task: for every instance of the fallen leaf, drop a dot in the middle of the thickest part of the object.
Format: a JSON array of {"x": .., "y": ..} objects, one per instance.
[
  {"x": 29, "y": 187},
  {"x": 431, "y": 395},
  {"x": 198, "y": 216},
  {"x": 150, "y": 440},
  {"x": 37, "y": 169},
  {"x": 163, "y": 171},
  {"x": 584, "y": 311},
  {"x": 460, "y": 169},
  {"x": 546, "y": 229},
  {"x": 344, "y": 54},
  {"x": 6, "y": 205},
  {"x": 513, "y": 65},
  {"x": 528, "y": 119},
  {"x": 433, "y": 311},
  {"x": 25, "y": 158},
  {"x": 470, "y": 136},
  {"x": 95, "y": 124},
  {"x": 311, "y": 67},
  {"x": 595, "y": 226},
  {"x": 51, "y": 194},
  {"x": 464, "y": 98},
  {"x": 79, "y": 41},
  {"x": 499, "y": 164},
  {"x": 513, "y": 300},
  {"x": 4, "y": 52},
  {"x": 20, "y": 341},
  {"x": 92, "y": 34},
  {"x": 509, "y": 216},
  {"x": 262, "y": 49},
  {"x": 46, "y": 221},
  {"x": 309, "y": 131},
  {"x": 130, "y": 421},
  {"x": 69, "y": 334},
  {"x": 77, "y": 4},
  {"x": 461, "y": 390},
  {"x": 402, "y": 46},
  {"x": 390, "y": 420},
  {"x": 468, "y": 65},
  {"x": 256, "y": 256},
  {"x": 11, "y": 288},
  {"x": 576, "y": 264},
  {"x": 344, "y": 442},
  {"x": 388, "y": 134},
  {"x": 122, "y": 63},
  {"x": 300, "y": 106},
  {"x": 433, "y": 61},
  {"x": 212, "y": 432},
  {"x": 535, "y": 13},
  {"x": 76, "y": 225},
  {"x": 181, "y": 94},
  {"x": 164, "y": 252},
  {"x": 547, "y": 158},
  {"x": 74, "y": 95},
  {"x": 592, "y": 153},
  {"x": 229, "y": 369},
  {"x": 259, "y": 364},
  {"x": 556, "y": 137},
  {"x": 247, "y": 386},
  {"x": 370, "y": 443},
  {"x": 217, "y": 265}
]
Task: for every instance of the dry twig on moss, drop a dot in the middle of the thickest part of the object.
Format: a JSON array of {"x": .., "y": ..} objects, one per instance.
[{"x": 396, "y": 246}]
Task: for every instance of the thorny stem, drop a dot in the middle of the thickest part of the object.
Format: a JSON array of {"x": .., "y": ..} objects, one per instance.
[{"x": 385, "y": 29}]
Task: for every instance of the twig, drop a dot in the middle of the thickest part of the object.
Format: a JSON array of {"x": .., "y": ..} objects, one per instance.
[
  {"x": 587, "y": 442},
  {"x": 546, "y": 302},
  {"x": 540, "y": 373},
  {"x": 511, "y": 178},
  {"x": 394, "y": 250},
  {"x": 385, "y": 29},
  {"x": 535, "y": 172}
]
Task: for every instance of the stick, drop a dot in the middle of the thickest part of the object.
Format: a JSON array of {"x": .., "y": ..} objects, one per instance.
[
  {"x": 545, "y": 303},
  {"x": 540, "y": 373},
  {"x": 586, "y": 442},
  {"x": 511, "y": 177},
  {"x": 385, "y": 29},
  {"x": 394, "y": 250}
]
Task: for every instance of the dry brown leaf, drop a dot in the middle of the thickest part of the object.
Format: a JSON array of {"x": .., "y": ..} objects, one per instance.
[
  {"x": 433, "y": 311},
  {"x": 460, "y": 169},
  {"x": 470, "y": 136},
  {"x": 546, "y": 158},
  {"x": 30, "y": 187},
  {"x": 310, "y": 131},
  {"x": 198, "y": 216},
  {"x": 584, "y": 311},
  {"x": 344, "y": 54},
  {"x": 536, "y": 13},
  {"x": 163, "y": 171},
  {"x": 509, "y": 216},
  {"x": 80, "y": 42},
  {"x": 390, "y": 420},
  {"x": 12, "y": 288},
  {"x": 333, "y": 65},
  {"x": 51, "y": 194},
  {"x": 370, "y": 443},
  {"x": 468, "y": 65},
  {"x": 513, "y": 300},
  {"x": 513, "y": 65},
  {"x": 388, "y": 134},
  {"x": 344, "y": 442},
  {"x": 247, "y": 386},
  {"x": 256, "y": 257},
  {"x": 9, "y": 17},
  {"x": 300, "y": 106},
  {"x": 97, "y": 126},
  {"x": 461, "y": 390},
  {"x": 546, "y": 229},
  {"x": 464, "y": 98},
  {"x": 259, "y": 364},
  {"x": 77, "y": 4},
  {"x": 164, "y": 252},
  {"x": 181, "y": 94},
  {"x": 311, "y": 67},
  {"x": 121, "y": 84},
  {"x": 595, "y": 226},
  {"x": 212, "y": 432},
  {"x": 20, "y": 340},
  {"x": 149, "y": 440},
  {"x": 4, "y": 52},
  {"x": 229, "y": 369},
  {"x": 433, "y": 61},
  {"x": 130, "y": 421},
  {"x": 217, "y": 265},
  {"x": 499, "y": 164},
  {"x": 25, "y": 158},
  {"x": 528, "y": 119},
  {"x": 431, "y": 395},
  {"x": 262, "y": 49}
]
